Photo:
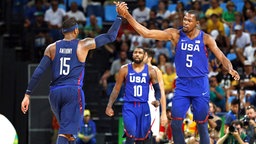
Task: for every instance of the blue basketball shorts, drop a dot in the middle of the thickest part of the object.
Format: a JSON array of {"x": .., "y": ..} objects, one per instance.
[
  {"x": 194, "y": 92},
  {"x": 137, "y": 119},
  {"x": 67, "y": 103}
]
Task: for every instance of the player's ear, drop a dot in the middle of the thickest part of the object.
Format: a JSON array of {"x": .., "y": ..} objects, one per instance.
[{"x": 76, "y": 31}]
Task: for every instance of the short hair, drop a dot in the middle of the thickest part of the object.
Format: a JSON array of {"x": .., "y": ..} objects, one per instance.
[
  {"x": 251, "y": 107},
  {"x": 140, "y": 47},
  {"x": 68, "y": 23},
  {"x": 150, "y": 52},
  {"x": 235, "y": 101},
  {"x": 236, "y": 122},
  {"x": 194, "y": 12}
]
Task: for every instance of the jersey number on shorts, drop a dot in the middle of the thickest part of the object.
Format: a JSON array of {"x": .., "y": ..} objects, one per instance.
[
  {"x": 137, "y": 90},
  {"x": 189, "y": 60},
  {"x": 64, "y": 67}
]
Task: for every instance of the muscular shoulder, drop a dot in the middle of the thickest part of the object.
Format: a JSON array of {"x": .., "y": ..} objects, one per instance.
[
  {"x": 208, "y": 40},
  {"x": 87, "y": 44},
  {"x": 175, "y": 34},
  {"x": 50, "y": 50},
  {"x": 152, "y": 70},
  {"x": 124, "y": 69}
]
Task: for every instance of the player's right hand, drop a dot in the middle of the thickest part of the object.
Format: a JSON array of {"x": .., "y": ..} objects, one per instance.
[
  {"x": 109, "y": 111},
  {"x": 121, "y": 8},
  {"x": 25, "y": 103},
  {"x": 155, "y": 103}
]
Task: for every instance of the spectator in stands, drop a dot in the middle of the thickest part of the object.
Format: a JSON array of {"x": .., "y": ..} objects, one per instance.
[
  {"x": 169, "y": 81},
  {"x": 234, "y": 134},
  {"x": 54, "y": 16},
  {"x": 247, "y": 5},
  {"x": 240, "y": 39},
  {"x": 229, "y": 15},
  {"x": 197, "y": 5},
  {"x": 141, "y": 13},
  {"x": 108, "y": 79},
  {"x": 239, "y": 20},
  {"x": 30, "y": 12},
  {"x": 250, "y": 123},
  {"x": 190, "y": 128},
  {"x": 231, "y": 115},
  {"x": 87, "y": 132},
  {"x": 40, "y": 34},
  {"x": 93, "y": 28},
  {"x": 77, "y": 14},
  {"x": 165, "y": 132},
  {"x": 203, "y": 24},
  {"x": 160, "y": 49},
  {"x": 217, "y": 94},
  {"x": 249, "y": 51},
  {"x": 162, "y": 59},
  {"x": 214, "y": 9},
  {"x": 214, "y": 23},
  {"x": 162, "y": 11},
  {"x": 250, "y": 23},
  {"x": 222, "y": 41},
  {"x": 247, "y": 81},
  {"x": 215, "y": 124},
  {"x": 178, "y": 13}
]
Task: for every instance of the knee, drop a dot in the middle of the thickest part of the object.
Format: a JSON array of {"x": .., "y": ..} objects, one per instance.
[
  {"x": 69, "y": 137},
  {"x": 176, "y": 124}
]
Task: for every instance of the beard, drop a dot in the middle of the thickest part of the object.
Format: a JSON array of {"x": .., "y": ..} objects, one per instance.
[{"x": 138, "y": 61}]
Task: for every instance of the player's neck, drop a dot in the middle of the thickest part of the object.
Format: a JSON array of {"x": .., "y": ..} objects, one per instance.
[
  {"x": 68, "y": 37},
  {"x": 192, "y": 34}
]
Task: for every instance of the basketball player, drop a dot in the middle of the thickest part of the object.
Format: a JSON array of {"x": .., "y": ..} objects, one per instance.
[
  {"x": 137, "y": 77},
  {"x": 155, "y": 112},
  {"x": 66, "y": 58},
  {"x": 191, "y": 61}
]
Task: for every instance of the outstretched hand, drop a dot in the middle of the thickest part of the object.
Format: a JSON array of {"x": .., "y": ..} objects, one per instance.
[
  {"x": 234, "y": 74},
  {"x": 121, "y": 8}
]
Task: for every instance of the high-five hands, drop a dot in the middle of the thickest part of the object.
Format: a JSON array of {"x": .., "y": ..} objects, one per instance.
[{"x": 121, "y": 8}]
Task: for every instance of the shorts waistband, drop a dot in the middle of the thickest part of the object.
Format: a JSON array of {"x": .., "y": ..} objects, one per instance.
[{"x": 63, "y": 86}]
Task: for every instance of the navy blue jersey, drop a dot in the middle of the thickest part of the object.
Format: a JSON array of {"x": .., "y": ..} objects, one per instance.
[
  {"x": 66, "y": 68},
  {"x": 191, "y": 56},
  {"x": 137, "y": 85}
]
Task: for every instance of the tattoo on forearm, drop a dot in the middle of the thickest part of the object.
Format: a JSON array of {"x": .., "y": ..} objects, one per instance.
[{"x": 112, "y": 97}]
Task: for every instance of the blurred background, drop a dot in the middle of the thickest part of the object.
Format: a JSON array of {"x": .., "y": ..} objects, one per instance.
[{"x": 28, "y": 26}]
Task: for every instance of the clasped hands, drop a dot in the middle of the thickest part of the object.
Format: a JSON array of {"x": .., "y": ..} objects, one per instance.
[{"x": 121, "y": 8}]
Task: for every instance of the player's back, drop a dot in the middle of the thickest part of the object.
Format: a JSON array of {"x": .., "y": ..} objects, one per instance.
[
  {"x": 66, "y": 68},
  {"x": 137, "y": 85},
  {"x": 191, "y": 56}
]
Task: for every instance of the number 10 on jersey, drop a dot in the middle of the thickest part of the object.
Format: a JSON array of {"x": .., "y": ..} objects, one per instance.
[{"x": 137, "y": 90}]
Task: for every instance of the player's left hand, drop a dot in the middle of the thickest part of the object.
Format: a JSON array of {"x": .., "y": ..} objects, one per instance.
[
  {"x": 234, "y": 74},
  {"x": 155, "y": 103},
  {"x": 164, "y": 119}
]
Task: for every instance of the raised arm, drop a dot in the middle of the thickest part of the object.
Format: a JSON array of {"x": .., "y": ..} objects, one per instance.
[
  {"x": 102, "y": 39},
  {"x": 211, "y": 44},
  {"x": 143, "y": 31}
]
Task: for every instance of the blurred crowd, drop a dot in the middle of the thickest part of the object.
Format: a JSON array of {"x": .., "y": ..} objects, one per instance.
[{"x": 231, "y": 23}]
